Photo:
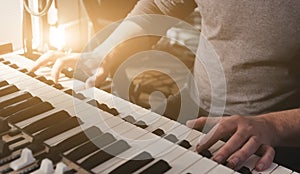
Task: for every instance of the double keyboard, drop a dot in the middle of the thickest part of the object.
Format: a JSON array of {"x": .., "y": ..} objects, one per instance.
[{"x": 64, "y": 128}]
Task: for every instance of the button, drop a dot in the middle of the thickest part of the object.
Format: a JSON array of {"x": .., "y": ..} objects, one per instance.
[
  {"x": 46, "y": 167},
  {"x": 25, "y": 160}
]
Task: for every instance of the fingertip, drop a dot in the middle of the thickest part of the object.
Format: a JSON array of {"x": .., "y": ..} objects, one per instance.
[
  {"x": 260, "y": 167},
  {"x": 190, "y": 123}
]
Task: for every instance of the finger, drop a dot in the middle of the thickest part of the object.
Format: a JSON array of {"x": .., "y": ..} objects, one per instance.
[
  {"x": 202, "y": 122},
  {"x": 97, "y": 79},
  {"x": 56, "y": 69},
  {"x": 267, "y": 158},
  {"x": 232, "y": 145},
  {"x": 44, "y": 59},
  {"x": 216, "y": 133},
  {"x": 240, "y": 156}
]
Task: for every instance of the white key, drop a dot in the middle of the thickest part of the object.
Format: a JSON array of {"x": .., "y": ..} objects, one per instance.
[
  {"x": 183, "y": 162},
  {"x": 251, "y": 162},
  {"x": 267, "y": 171},
  {"x": 281, "y": 170},
  {"x": 221, "y": 169},
  {"x": 201, "y": 167}
]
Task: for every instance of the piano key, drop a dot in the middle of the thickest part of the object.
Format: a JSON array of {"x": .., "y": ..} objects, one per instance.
[
  {"x": 282, "y": 170},
  {"x": 134, "y": 164},
  {"x": 221, "y": 169},
  {"x": 160, "y": 166},
  {"x": 77, "y": 139},
  {"x": 57, "y": 129},
  {"x": 5, "y": 90},
  {"x": 185, "y": 144},
  {"x": 183, "y": 162},
  {"x": 46, "y": 122},
  {"x": 206, "y": 153},
  {"x": 14, "y": 98},
  {"x": 245, "y": 170},
  {"x": 105, "y": 154},
  {"x": 250, "y": 162},
  {"x": 90, "y": 147},
  {"x": 9, "y": 110},
  {"x": 267, "y": 171},
  {"x": 201, "y": 167},
  {"x": 3, "y": 83},
  {"x": 30, "y": 112},
  {"x": 141, "y": 124},
  {"x": 172, "y": 138}
]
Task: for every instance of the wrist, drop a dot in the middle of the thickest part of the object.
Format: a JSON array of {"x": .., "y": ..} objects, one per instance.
[{"x": 274, "y": 126}]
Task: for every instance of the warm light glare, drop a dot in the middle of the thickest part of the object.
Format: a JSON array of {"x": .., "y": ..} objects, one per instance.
[{"x": 57, "y": 37}]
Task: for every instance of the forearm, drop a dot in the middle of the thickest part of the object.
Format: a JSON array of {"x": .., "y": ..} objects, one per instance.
[{"x": 287, "y": 126}]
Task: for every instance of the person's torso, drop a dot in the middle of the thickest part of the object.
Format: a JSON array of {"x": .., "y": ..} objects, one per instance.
[{"x": 258, "y": 45}]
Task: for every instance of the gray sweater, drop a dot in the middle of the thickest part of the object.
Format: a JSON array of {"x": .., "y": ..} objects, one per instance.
[{"x": 249, "y": 52}]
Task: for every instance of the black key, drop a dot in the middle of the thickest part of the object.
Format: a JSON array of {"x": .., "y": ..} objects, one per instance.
[
  {"x": 69, "y": 91},
  {"x": 30, "y": 112},
  {"x": 4, "y": 127},
  {"x": 14, "y": 98},
  {"x": 49, "y": 82},
  {"x": 31, "y": 74},
  {"x": 129, "y": 119},
  {"x": 159, "y": 132},
  {"x": 79, "y": 96},
  {"x": 90, "y": 147},
  {"x": 105, "y": 154},
  {"x": 6, "y": 62},
  {"x": 114, "y": 111},
  {"x": 103, "y": 107},
  {"x": 141, "y": 124},
  {"x": 206, "y": 153},
  {"x": 58, "y": 86},
  {"x": 23, "y": 70},
  {"x": 185, "y": 144},
  {"x": 14, "y": 66},
  {"x": 172, "y": 138},
  {"x": 8, "y": 89},
  {"x": 134, "y": 164},
  {"x": 68, "y": 73},
  {"x": 1, "y": 59},
  {"x": 3, "y": 83},
  {"x": 159, "y": 167},
  {"x": 72, "y": 171},
  {"x": 77, "y": 139},
  {"x": 41, "y": 78},
  {"x": 245, "y": 170},
  {"x": 58, "y": 128},
  {"x": 9, "y": 110},
  {"x": 46, "y": 122}
]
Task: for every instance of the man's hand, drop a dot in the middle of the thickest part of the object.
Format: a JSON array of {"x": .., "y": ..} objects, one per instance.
[
  {"x": 248, "y": 135},
  {"x": 59, "y": 60}
]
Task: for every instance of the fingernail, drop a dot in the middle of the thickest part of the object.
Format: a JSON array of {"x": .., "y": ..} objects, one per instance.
[
  {"x": 218, "y": 158},
  {"x": 260, "y": 166},
  {"x": 233, "y": 162}
]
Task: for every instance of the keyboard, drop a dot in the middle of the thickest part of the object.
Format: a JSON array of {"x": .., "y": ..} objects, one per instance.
[{"x": 64, "y": 128}]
